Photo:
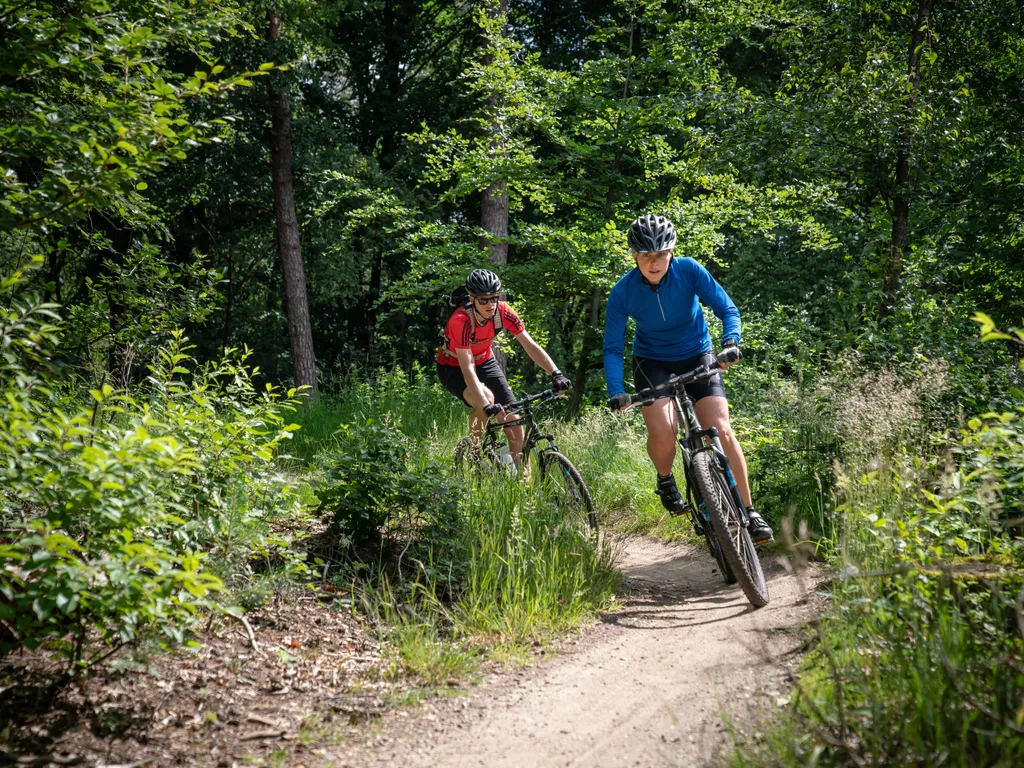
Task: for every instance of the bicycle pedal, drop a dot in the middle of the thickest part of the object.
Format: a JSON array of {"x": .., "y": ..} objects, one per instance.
[{"x": 686, "y": 509}]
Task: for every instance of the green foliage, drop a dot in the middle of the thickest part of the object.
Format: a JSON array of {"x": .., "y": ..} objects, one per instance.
[
  {"x": 110, "y": 509},
  {"x": 372, "y": 478},
  {"x": 920, "y": 670},
  {"x": 92, "y": 108},
  {"x": 529, "y": 575},
  {"x": 918, "y": 663}
]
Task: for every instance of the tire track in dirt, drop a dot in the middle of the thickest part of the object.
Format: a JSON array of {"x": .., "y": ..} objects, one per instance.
[{"x": 648, "y": 686}]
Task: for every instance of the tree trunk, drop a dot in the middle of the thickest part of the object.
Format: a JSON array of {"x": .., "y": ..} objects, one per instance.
[
  {"x": 371, "y": 313},
  {"x": 121, "y": 352},
  {"x": 289, "y": 247},
  {"x": 494, "y": 205},
  {"x": 590, "y": 339},
  {"x": 901, "y": 200},
  {"x": 590, "y": 336},
  {"x": 229, "y": 299}
]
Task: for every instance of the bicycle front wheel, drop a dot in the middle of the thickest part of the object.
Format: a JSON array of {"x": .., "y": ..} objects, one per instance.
[
  {"x": 477, "y": 457},
  {"x": 709, "y": 535},
  {"x": 733, "y": 537},
  {"x": 716, "y": 550},
  {"x": 565, "y": 485}
]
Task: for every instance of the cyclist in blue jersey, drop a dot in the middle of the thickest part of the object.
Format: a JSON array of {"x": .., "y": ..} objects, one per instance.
[{"x": 662, "y": 295}]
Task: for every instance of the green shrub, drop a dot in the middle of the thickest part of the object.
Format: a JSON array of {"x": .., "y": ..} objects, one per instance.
[
  {"x": 374, "y": 479},
  {"x": 108, "y": 510},
  {"x": 919, "y": 660}
]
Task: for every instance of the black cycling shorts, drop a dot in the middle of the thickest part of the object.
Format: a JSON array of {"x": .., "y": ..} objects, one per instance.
[
  {"x": 651, "y": 373},
  {"x": 488, "y": 372}
]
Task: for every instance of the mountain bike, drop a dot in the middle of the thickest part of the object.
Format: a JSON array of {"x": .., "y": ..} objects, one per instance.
[
  {"x": 712, "y": 499},
  {"x": 544, "y": 465}
]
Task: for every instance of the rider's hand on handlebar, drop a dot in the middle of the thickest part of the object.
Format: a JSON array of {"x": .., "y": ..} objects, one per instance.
[
  {"x": 559, "y": 382},
  {"x": 730, "y": 355},
  {"x": 620, "y": 402},
  {"x": 493, "y": 409}
]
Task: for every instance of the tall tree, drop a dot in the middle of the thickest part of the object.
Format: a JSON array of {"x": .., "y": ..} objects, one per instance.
[
  {"x": 289, "y": 245},
  {"x": 901, "y": 196},
  {"x": 494, "y": 204}
]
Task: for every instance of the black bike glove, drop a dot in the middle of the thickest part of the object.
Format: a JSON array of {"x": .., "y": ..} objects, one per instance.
[
  {"x": 559, "y": 382},
  {"x": 618, "y": 402},
  {"x": 492, "y": 409}
]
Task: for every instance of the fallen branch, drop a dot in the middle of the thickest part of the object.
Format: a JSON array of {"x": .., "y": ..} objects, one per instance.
[
  {"x": 254, "y": 718},
  {"x": 275, "y": 734},
  {"x": 248, "y": 629},
  {"x": 25, "y": 760}
]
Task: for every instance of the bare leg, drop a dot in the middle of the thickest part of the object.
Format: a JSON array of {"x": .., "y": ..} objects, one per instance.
[
  {"x": 477, "y": 417},
  {"x": 660, "y": 418},
  {"x": 713, "y": 411},
  {"x": 515, "y": 439}
]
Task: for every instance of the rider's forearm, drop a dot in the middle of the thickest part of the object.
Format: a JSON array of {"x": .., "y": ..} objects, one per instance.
[
  {"x": 536, "y": 352},
  {"x": 613, "y": 370}
]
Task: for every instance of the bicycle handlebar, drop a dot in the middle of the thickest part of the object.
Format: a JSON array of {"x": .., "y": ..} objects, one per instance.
[
  {"x": 675, "y": 383},
  {"x": 519, "y": 405}
]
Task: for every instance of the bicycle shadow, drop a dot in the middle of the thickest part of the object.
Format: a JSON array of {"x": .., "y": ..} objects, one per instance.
[{"x": 669, "y": 586}]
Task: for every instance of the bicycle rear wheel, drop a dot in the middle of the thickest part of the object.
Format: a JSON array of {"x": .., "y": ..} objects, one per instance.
[
  {"x": 563, "y": 482},
  {"x": 733, "y": 537}
]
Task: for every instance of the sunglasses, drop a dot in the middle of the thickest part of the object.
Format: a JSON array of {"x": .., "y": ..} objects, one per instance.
[{"x": 485, "y": 300}]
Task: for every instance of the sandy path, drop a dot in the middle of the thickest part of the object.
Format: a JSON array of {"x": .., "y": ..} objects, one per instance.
[{"x": 648, "y": 686}]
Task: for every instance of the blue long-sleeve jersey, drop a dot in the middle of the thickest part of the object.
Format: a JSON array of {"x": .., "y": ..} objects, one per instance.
[{"x": 669, "y": 322}]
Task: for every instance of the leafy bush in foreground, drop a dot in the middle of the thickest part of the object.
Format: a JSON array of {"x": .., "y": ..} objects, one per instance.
[
  {"x": 106, "y": 509},
  {"x": 921, "y": 660}
]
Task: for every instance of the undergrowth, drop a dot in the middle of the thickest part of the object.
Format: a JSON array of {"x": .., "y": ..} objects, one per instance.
[{"x": 920, "y": 659}]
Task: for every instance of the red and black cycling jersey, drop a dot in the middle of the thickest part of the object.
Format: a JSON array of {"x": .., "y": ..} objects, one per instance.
[{"x": 465, "y": 332}]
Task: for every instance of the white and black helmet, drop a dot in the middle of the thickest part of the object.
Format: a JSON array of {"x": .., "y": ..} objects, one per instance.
[
  {"x": 651, "y": 233},
  {"x": 482, "y": 282}
]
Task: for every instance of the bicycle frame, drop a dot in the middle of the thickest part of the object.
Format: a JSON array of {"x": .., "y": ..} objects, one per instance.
[
  {"x": 524, "y": 418},
  {"x": 692, "y": 438}
]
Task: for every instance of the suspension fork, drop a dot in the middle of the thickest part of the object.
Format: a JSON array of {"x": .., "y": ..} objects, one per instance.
[
  {"x": 532, "y": 442},
  {"x": 723, "y": 462},
  {"x": 688, "y": 419}
]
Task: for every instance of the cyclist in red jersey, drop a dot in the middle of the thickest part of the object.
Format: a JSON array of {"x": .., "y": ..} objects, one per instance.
[{"x": 466, "y": 364}]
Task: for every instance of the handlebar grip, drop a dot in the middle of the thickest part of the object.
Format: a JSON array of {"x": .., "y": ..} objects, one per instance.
[{"x": 730, "y": 355}]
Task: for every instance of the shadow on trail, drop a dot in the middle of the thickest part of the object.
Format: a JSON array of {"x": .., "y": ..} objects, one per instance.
[
  {"x": 660, "y": 619},
  {"x": 666, "y": 589}
]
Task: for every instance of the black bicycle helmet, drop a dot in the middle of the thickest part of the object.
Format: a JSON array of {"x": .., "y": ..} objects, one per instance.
[
  {"x": 482, "y": 282},
  {"x": 651, "y": 233}
]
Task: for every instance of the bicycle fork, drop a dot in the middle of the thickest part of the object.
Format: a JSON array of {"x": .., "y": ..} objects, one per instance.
[{"x": 723, "y": 462}]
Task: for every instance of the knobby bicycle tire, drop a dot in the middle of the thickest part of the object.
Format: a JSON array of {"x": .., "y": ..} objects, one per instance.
[
  {"x": 716, "y": 551},
  {"x": 734, "y": 539},
  {"x": 709, "y": 536},
  {"x": 480, "y": 458},
  {"x": 574, "y": 496}
]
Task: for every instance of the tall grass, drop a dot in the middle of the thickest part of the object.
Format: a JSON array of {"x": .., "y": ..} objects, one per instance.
[
  {"x": 414, "y": 402},
  {"x": 919, "y": 661},
  {"x": 504, "y": 571},
  {"x": 528, "y": 577},
  {"x": 530, "y": 574}
]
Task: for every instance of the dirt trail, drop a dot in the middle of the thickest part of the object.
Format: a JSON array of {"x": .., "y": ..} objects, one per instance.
[{"x": 648, "y": 686}]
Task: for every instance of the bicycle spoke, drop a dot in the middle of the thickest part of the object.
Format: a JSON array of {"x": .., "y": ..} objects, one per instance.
[{"x": 737, "y": 546}]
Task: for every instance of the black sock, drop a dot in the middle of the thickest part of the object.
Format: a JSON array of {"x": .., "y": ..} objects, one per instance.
[{"x": 662, "y": 478}]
